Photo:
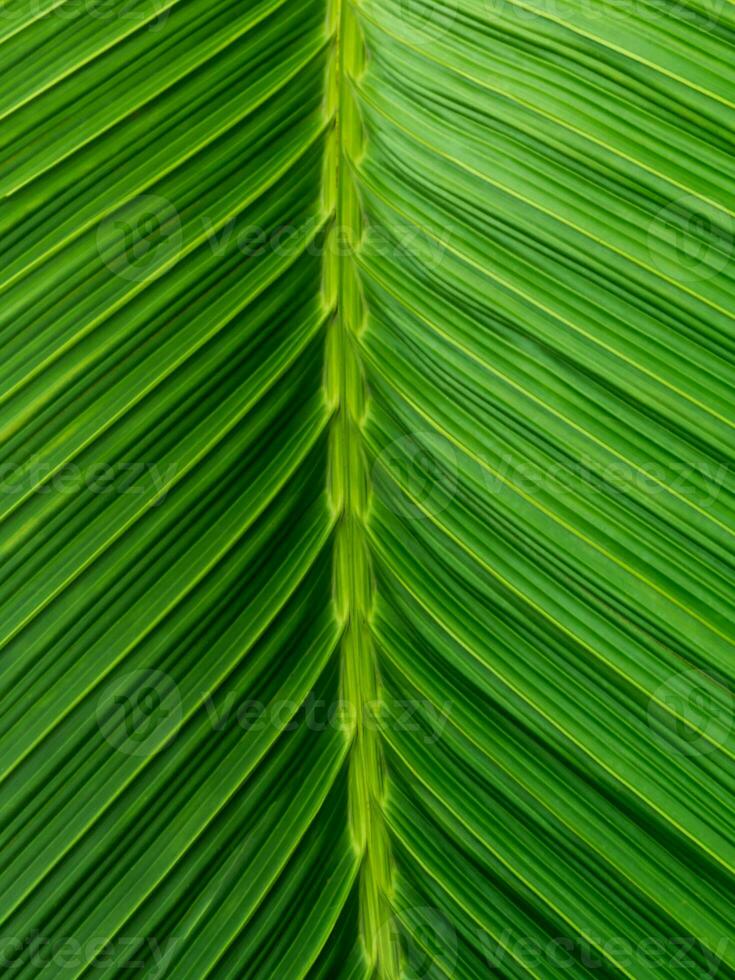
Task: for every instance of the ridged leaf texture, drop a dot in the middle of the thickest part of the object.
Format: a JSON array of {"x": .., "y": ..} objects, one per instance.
[{"x": 367, "y": 519}]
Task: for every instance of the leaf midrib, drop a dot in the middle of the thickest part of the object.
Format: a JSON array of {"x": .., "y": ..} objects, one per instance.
[{"x": 349, "y": 482}]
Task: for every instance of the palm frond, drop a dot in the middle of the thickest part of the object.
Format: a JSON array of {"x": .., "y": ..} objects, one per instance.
[{"x": 366, "y": 440}]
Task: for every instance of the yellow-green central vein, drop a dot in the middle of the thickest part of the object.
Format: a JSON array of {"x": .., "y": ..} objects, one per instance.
[{"x": 349, "y": 489}]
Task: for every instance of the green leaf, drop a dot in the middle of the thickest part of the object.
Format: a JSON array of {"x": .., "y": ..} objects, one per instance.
[{"x": 367, "y": 518}]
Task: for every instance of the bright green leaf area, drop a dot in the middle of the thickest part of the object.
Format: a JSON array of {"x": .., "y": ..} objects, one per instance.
[{"x": 367, "y": 511}]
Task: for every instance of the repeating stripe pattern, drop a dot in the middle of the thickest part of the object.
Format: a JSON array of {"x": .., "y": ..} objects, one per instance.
[
  {"x": 367, "y": 513},
  {"x": 549, "y": 272},
  {"x": 167, "y": 634}
]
